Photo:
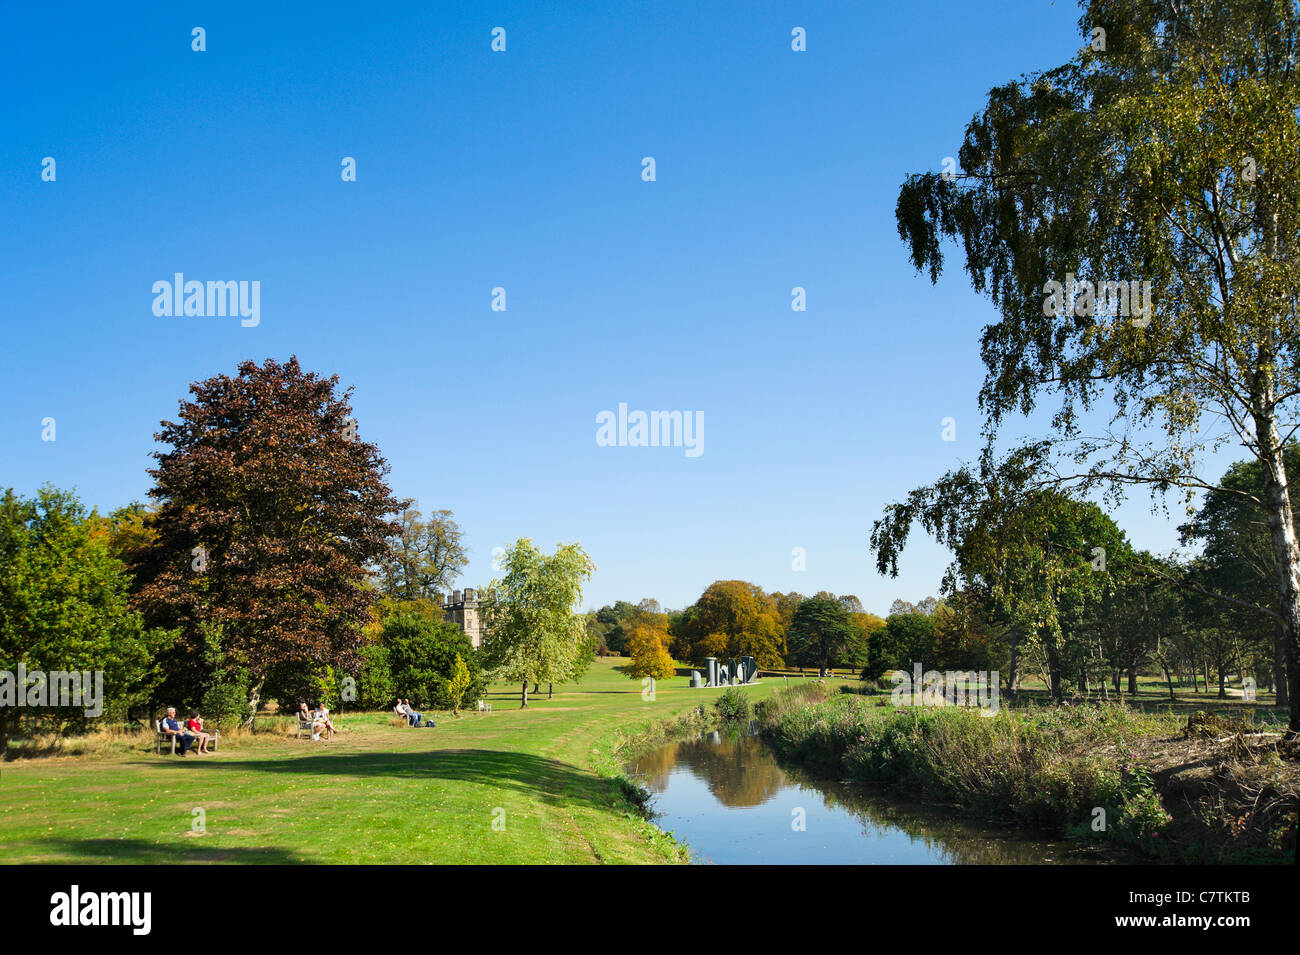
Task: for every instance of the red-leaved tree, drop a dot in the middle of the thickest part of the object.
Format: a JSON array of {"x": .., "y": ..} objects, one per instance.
[{"x": 270, "y": 513}]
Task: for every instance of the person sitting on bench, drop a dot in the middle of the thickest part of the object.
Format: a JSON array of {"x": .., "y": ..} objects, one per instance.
[
  {"x": 310, "y": 718},
  {"x": 195, "y": 726},
  {"x": 322, "y": 717},
  {"x": 172, "y": 727},
  {"x": 412, "y": 717}
]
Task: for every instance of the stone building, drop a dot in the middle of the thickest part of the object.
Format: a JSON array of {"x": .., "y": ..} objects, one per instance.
[{"x": 461, "y": 608}]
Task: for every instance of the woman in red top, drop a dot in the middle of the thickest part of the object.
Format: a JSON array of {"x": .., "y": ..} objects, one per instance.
[{"x": 195, "y": 725}]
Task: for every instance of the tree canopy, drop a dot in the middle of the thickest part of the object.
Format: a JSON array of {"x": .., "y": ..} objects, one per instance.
[
  {"x": 270, "y": 510},
  {"x": 532, "y": 630},
  {"x": 1161, "y": 156}
]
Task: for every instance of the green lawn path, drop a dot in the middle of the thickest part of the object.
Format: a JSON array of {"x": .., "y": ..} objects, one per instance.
[{"x": 375, "y": 794}]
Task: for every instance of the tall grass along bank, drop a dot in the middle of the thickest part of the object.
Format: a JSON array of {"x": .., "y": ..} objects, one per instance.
[{"x": 1208, "y": 789}]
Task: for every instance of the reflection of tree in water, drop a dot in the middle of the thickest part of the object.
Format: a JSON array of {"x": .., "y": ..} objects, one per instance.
[
  {"x": 739, "y": 771},
  {"x": 956, "y": 841}
]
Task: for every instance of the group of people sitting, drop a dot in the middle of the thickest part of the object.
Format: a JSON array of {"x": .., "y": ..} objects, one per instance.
[
  {"x": 187, "y": 733},
  {"x": 319, "y": 718},
  {"x": 407, "y": 712}
]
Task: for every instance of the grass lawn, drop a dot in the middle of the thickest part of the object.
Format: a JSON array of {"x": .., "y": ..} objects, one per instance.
[
  {"x": 1153, "y": 697},
  {"x": 376, "y": 793}
]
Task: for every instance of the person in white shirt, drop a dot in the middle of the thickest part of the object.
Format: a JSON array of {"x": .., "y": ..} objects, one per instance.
[
  {"x": 412, "y": 716},
  {"x": 323, "y": 721}
]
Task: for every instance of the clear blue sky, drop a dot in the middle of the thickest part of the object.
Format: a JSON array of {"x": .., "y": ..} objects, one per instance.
[{"x": 520, "y": 169}]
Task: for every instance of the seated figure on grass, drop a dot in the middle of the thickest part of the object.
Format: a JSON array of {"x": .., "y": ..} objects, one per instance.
[
  {"x": 195, "y": 727},
  {"x": 311, "y": 717},
  {"x": 413, "y": 718},
  {"x": 172, "y": 727},
  {"x": 323, "y": 721}
]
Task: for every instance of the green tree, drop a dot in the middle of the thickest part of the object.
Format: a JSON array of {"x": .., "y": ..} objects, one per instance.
[
  {"x": 1165, "y": 156},
  {"x": 1032, "y": 549},
  {"x": 458, "y": 685},
  {"x": 64, "y": 604},
  {"x": 1237, "y": 557},
  {"x": 422, "y": 656},
  {"x": 225, "y": 704},
  {"x": 425, "y": 558},
  {"x": 614, "y": 619},
  {"x": 905, "y": 639},
  {"x": 375, "y": 687},
  {"x": 532, "y": 630},
  {"x": 821, "y": 633}
]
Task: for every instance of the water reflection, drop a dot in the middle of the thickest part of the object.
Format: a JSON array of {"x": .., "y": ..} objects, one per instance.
[
  {"x": 731, "y": 802},
  {"x": 738, "y": 771}
]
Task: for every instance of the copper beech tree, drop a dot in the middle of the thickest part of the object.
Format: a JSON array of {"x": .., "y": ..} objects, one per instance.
[{"x": 270, "y": 512}]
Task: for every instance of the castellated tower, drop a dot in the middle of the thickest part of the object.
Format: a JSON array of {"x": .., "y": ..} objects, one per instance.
[{"x": 462, "y": 610}]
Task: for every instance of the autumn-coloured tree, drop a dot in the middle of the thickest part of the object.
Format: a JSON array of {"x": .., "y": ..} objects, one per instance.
[
  {"x": 270, "y": 510},
  {"x": 732, "y": 618},
  {"x": 647, "y": 644},
  {"x": 126, "y": 532},
  {"x": 458, "y": 683},
  {"x": 867, "y": 625}
]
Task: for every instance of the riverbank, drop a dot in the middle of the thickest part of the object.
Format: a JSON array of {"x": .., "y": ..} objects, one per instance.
[
  {"x": 722, "y": 792},
  {"x": 513, "y": 786},
  {"x": 1145, "y": 786}
]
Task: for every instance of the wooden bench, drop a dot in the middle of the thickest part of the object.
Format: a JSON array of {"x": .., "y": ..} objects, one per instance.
[
  {"x": 305, "y": 726},
  {"x": 163, "y": 737}
]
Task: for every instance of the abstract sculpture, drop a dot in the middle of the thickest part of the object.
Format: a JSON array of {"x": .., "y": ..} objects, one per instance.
[{"x": 729, "y": 673}]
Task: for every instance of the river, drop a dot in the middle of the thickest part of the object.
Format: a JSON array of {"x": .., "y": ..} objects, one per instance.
[{"x": 730, "y": 801}]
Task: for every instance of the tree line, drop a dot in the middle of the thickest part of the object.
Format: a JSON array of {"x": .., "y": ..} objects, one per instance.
[
  {"x": 272, "y": 561},
  {"x": 1161, "y": 152}
]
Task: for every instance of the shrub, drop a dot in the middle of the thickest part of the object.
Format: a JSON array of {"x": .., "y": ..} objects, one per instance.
[
  {"x": 734, "y": 705},
  {"x": 422, "y": 658},
  {"x": 1142, "y": 817},
  {"x": 225, "y": 705},
  {"x": 458, "y": 684},
  {"x": 323, "y": 687},
  {"x": 375, "y": 688}
]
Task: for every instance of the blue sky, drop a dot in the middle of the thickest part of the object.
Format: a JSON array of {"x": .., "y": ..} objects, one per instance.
[{"x": 522, "y": 170}]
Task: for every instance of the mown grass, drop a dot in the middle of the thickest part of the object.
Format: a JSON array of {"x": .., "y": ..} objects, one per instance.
[{"x": 548, "y": 776}]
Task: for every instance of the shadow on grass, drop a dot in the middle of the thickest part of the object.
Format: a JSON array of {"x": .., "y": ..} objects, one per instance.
[
  {"x": 138, "y": 850},
  {"x": 553, "y": 781}
]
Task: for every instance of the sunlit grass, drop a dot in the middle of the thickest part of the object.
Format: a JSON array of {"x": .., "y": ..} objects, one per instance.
[{"x": 376, "y": 793}]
